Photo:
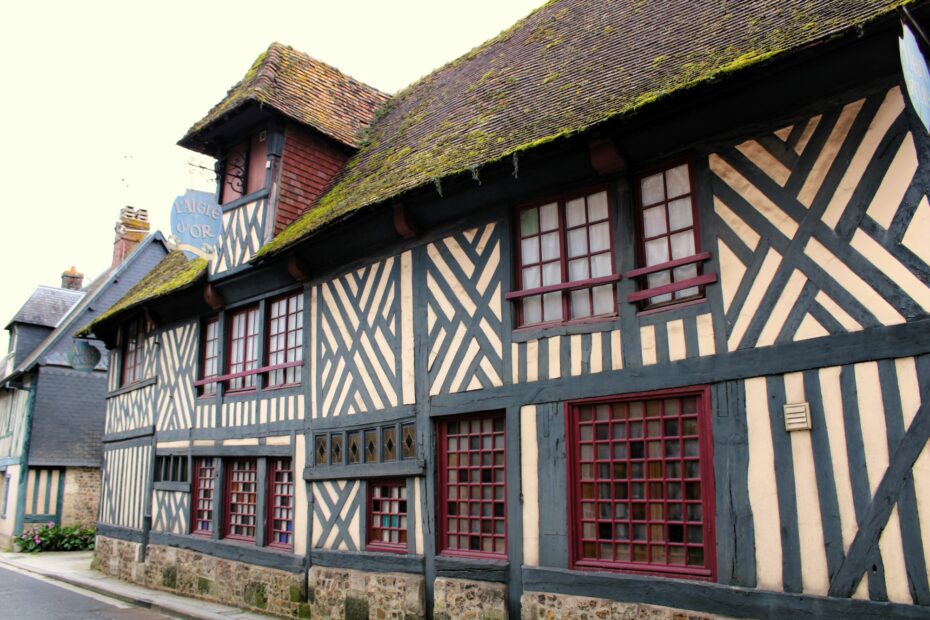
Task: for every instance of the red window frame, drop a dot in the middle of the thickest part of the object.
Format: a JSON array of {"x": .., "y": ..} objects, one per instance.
[
  {"x": 280, "y": 503},
  {"x": 633, "y": 508},
  {"x": 241, "y": 505},
  {"x": 133, "y": 352},
  {"x": 203, "y": 495},
  {"x": 244, "y": 168},
  {"x": 387, "y": 515},
  {"x": 243, "y": 333},
  {"x": 285, "y": 342},
  {"x": 472, "y": 492},
  {"x": 209, "y": 355},
  {"x": 570, "y": 294},
  {"x": 680, "y": 278}
]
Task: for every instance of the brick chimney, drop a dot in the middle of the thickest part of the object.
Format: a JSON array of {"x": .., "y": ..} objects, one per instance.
[
  {"x": 132, "y": 227},
  {"x": 72, "y": 279}
]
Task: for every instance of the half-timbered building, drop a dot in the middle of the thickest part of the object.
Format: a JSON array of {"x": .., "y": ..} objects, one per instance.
[
  {"x": 52, "y": 390},
  {"x": 625, "y": 311}
]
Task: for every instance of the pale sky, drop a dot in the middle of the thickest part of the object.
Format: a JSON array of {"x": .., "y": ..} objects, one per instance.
[{"x": 95, "y": 95}]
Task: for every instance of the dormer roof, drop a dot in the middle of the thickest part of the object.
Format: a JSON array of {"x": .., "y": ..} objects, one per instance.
[
  {"x": 46, "y": 306},
  {"x": 301, "y": 88}
]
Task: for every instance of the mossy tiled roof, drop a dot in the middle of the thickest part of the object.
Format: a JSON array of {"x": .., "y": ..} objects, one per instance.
[
  {"x": 174, "y": 273},
  {"x": 302, "y": 88},
  {"x": 566, "y": 67}
]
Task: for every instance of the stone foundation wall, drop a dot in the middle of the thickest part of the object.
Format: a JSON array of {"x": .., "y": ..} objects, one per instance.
[
  {"x": 82, "y": 494},
  {"x": 203, "y": 576},
  {"x": 539, "y": 606},
  {"x": 344, "y": 594},
  {"x": 478, "y": 600}
]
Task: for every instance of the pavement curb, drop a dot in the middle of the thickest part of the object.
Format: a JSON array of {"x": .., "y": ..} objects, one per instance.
[{"x": 168, "y": 607}]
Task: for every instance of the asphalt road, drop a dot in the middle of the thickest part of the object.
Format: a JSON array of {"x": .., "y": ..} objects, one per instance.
[{"x": 25, "y": 597}]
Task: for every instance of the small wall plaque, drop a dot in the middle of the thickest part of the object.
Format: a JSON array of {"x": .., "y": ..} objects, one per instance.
[{"x": 797, "y": 417}]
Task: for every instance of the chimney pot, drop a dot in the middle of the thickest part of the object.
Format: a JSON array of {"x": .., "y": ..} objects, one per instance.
[{"x": 72, "y": 279}]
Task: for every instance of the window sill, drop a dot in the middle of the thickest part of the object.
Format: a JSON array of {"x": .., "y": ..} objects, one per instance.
[
  {"x": 672, "y": 306},
  {"x": 483, "y": 568},
  {"x": 244, "y": 200},
  {"x": 376, "y": 548},
  {"x": 165, "y": 485},
  {"x": 657, "y": 570}
]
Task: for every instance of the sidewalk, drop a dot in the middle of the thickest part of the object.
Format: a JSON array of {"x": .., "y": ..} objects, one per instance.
[{"x": 74, "y": 568}]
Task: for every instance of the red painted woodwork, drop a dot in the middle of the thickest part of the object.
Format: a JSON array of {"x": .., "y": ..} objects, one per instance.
[
  {"x": 235, "y": 166},
  {"x": 241, "y": 503},
  {"x": 641, "y": 483},
  {"x": 245, "y": 373},
  {"x": 242, "y": 348},
  {"x": 258, "y": 160},
  {"x": 472, "y": 486},
  {"x": 280, "y": 503},
  {"x": 209, "y": 355},
  {"x": 285, "y": 338},
  {"x": 204, "y": 481},
  {"x": 387, "y": 516},
  {"x": 133, "y": 350},
  {"x": 309, "y": 163}
]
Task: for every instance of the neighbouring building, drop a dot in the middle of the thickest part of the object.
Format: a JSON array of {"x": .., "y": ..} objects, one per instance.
[
  {"x": 52, "y": 390},
  {"x": 622, "y": 314}
]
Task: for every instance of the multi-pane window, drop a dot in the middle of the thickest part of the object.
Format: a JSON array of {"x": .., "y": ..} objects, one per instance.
[
  {"x": 203, "y": 495},
  {"x": 281, "y": 503},
  {"x": 643, "y": 484},
  {"x": 244, "y": 168},
  {"x": 133, "y": 352},
  {"x": 210, "y": 355},
  {"x": 669, "y": 249},
  {"x": 472, "y": 486},
  {"x": 241, "y": 498},
  {"x": 285, "y": 339},
  {"x": 566, "y": 265},
  {"x": 385, "y": 444},
  {"x": 387, "y": 515},
  {"x": 243, "y": 347}
]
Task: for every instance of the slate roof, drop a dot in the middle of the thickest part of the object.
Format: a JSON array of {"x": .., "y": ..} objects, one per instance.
[
  {"x": 302, "y": 88},
  {"x": 46, "y": 306},
  {"x": 565, "y": 68},
  {"x": 174, "y": 273}
]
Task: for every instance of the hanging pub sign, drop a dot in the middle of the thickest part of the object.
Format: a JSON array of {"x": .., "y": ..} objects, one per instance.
[
  {"x": 83, "y": 356},
  {"x": 196, "y": 220},
  {"x": 916, "y": 75}
]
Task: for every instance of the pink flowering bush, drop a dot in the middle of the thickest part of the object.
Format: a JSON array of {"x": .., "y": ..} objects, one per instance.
[{"x": 53, "y": 537}]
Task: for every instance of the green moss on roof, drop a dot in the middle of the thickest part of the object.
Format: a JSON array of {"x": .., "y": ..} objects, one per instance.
[
  {"x": 302, "y": 88},
  {"x": 564, "y": 69},
  {"x": 174, "y": 273}
]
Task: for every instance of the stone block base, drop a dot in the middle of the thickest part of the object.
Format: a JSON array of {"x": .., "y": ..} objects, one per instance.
[
  {"x": 82, "y": 492},
  {"x": 345, "y": 594},
  {"x": 203, "y": 576},
  {"x": 539, "y": 605},
  {"x": 478, "y": 600}
]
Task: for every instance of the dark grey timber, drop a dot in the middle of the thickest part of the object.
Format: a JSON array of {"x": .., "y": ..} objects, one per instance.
[
  {"x": 914, "y": 561},
  {"x": 261, "y": 474},
  {"x": 878, "y": 343},
  {"x": 625, "y": 255},
  {"x": 514, "y": 511},
  {"x": 122, "y": 533},
  {"x": 414, "y": 522},
  {"x": 736, "y": 555},
  {"x": 219, "y": 483},
  {"x": 411, "y": 467},
  {"x": 890, "y": 491},
  {"x": 553, "y": 522},
  {"x": 859, "y": 479},
  {"x": 140, "y": 440},
  {"x": 404, "y": 413},
  {"x": 133, "y": 387},
  {"x": 366, "y": 561},
  {"x": 136, "y": 433},
  {"x": 823, "y": 470},
  {"x": 241, "y": 451},
  {"x": 227, "y": 550},
  {"x": 710, "y": 598},
  {"x": 474, "y": 570},
  {"x": 784, "y": 479},
  {"x": 180, "y": 487}
]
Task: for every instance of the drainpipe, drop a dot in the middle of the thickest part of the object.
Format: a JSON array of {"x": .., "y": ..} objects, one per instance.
[{"x": 24, "y": 458}]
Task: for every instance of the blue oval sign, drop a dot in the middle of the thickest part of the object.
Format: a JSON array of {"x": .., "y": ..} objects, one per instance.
[{"x": 196, "y": 219}]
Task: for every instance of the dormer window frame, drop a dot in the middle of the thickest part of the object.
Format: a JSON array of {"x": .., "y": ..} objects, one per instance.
[
  {"x": 132, "y": 352},
  {"x": 253, "y": 148}
]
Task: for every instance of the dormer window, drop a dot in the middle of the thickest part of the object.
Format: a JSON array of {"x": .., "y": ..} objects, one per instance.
[
  {"x": 244, "y": 168},
  {"x": 133, "y": 350}
]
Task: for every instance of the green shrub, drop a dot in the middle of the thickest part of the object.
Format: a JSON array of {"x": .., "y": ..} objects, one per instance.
[{"x": 53, "y": 537}]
